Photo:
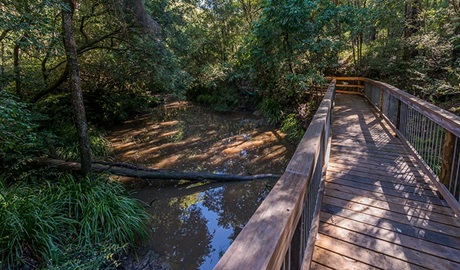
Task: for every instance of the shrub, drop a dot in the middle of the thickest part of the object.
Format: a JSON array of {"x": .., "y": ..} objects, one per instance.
[
  {"x": 17, "y": 128},
  {"x": 66, "y": 223},
  {"x": 272, "y": 110},
  {"x": 292, "y": 127},
  {"x": 68, "y": 147}
]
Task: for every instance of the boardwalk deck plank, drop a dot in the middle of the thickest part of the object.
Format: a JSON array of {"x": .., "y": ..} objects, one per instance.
[
  {"x": 442, "y": 209},
  {"x": 380, "y": 210},
  {"x": 336, "y": 261},
  {"x": 391, "y": 247},
  {"x": 408, "y": 210},
  {"x": 415, "y": 221},
  {"x": 363, "y": 175},
  {"x": 393, "y": 236}
]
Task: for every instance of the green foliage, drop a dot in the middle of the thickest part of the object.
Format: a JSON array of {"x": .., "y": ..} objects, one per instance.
[
  {"x": 291, "y": 38},
  {"x": 103, "y": 211},
  {"x": 272, "y": 110},
  {"x": 291, "y": 126},
  {"x": 289, "y": 48},
  {"x": 67, "y": 223},
  {"x": 66, "y": 143},
  {"x": 31, "y": 224},
  {"x": 214, "y": 88},
  {"x": 17, "y": 127}
]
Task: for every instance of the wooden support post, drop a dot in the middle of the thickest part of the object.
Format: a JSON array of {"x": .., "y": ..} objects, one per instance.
[
  {"x": 398, "y": 114},
  {"x": 296, "y": 247},
  {"x": 371, "y": 92},
  {"x": 447, "y": 158},
  {"x": 381, "y": 102}
]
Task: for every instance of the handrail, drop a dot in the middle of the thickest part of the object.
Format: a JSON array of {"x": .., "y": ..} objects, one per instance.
[
  {"x": 429, "y": 132},
  {"x": 282, "y": 231}
]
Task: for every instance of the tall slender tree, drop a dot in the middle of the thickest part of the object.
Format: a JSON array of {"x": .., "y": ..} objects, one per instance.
[{"x": 81, "y": 124}]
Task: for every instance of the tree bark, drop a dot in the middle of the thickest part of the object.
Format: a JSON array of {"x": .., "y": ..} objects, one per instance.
[
  {"x": 17, "y": 68},
  {"x": 75, "y": 85},
  {"x": 123, "y": 169}
]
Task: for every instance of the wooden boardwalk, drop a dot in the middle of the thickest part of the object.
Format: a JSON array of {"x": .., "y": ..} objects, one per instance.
[{"x": 379, "y": 210}]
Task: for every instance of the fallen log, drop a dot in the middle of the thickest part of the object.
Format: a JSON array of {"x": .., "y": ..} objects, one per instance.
[{"x": 125, "y": 169}]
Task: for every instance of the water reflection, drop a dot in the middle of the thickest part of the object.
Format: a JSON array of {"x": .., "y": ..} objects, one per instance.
[{"x": 194, "y": 225}]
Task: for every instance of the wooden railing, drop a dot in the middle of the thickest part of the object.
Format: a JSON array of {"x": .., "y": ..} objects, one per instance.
[
  {"x": 281, "y": 233},
  {"x": 429, "y": 132}
]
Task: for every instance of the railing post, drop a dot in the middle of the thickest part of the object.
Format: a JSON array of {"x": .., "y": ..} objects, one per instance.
[
  {"x": 398, "y": 114},
  {"x": 381, "y": 101},
  {"x": 370, "y": 97},
  {"x": 296, "y": 248},
  {"x": 447, "y": 158}
]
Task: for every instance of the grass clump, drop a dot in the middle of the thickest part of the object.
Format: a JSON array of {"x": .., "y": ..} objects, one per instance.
[{"x": 67, "y": 224}]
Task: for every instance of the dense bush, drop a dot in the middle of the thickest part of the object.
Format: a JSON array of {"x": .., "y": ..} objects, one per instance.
[
  {"x": 66, "y": 146},
  {"x": 67, "y": 223},
  {"x": 17, "y": 127}
]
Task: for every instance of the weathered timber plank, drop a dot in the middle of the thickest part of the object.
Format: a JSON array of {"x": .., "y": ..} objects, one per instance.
[
  {"x": 370, "y": 148},
  {"x": 376, "y": 133},
  {"x": 363, "y": 255},
  {"x": 409, "y": 220},
  {"x": 362, "y": 139},
  {"x": 388, "y": 248},
  {"x": 337, "y": 261},
  {"x": 392, "y": 225},
  {"x": 393, "y": 207},
  {"x": 393, "y": 236},
  {"x": 317, "y": 266},
  {"x": 349, "y": 86},
  {"x": 439, "y": 208},
  {"x": 403, "y": 172},
  {"x": 411, "y": 192},
  {"x": 346, "y": 78},
  {"x": 399, "y": 172},
  {"x": 371, "y": 152},
  {"x": 399, "y": 183},
  {"x": 344, "y": 155},
  {"x": 378, "y": 183},
  {"x": 365, "y": 162}
]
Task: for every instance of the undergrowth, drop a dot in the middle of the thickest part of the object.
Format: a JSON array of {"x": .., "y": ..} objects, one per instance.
[
  {"x": 67, "y": 224},
  {"x": 67, "y": 146}
]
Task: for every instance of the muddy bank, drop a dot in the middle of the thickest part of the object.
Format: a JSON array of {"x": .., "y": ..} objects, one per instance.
[{"x": 186, "y": 137}]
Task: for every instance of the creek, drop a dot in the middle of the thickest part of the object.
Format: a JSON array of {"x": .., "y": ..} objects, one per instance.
[{"x": 194, "y": 224}]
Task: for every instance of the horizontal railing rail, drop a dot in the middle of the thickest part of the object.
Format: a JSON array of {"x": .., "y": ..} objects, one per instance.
[
  {"x": 282, "y": 231},
  {"x": 430, "y": 133}
]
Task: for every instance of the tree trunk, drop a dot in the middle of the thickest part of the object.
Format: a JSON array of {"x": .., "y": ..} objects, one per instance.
[
  {"x": 129, "y": 170},
  {"x": 2, "y": 67},
  {"x": 17, "y": 68},
  {"x": 412, "y": 26},
  {"x": 75, "y": 85}
]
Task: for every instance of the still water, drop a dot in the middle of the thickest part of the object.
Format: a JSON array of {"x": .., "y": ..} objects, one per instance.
[{"x": 194, "y": 224}]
